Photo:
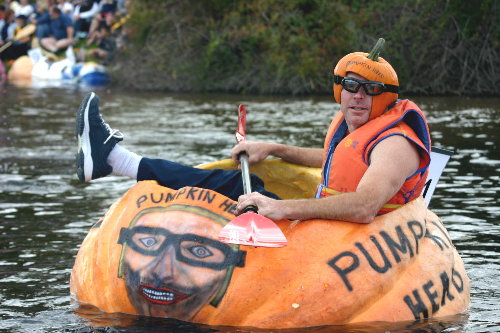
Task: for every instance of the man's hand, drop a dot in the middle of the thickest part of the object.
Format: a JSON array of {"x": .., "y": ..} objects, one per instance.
[
  {"x": 257, "y": 151},
  {"x": 266, "y": 206}
]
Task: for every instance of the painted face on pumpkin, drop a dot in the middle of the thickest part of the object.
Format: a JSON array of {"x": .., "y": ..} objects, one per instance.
[{"x": 173, "y": 263}]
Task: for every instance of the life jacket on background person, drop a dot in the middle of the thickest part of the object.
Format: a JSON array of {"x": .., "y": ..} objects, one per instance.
[{"x": 346, "y": 156}]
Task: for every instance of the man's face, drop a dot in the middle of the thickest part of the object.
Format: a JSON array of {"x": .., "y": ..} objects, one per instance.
[
  {"x": 356, "y": 107},
  {"x": 173, "y": 263},
  {"x": 54, "y": 14}
]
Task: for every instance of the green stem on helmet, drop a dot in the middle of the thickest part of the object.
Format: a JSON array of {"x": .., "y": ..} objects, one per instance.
[{"x": 376, "y": 50}]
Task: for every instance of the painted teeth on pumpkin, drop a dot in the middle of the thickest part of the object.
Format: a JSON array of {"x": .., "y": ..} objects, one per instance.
[{"x": 158, "y": 295}]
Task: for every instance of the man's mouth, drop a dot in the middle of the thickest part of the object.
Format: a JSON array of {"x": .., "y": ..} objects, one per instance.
[
  {"x": 358, "y": 108},
  {"x": 161, "y": 295}
]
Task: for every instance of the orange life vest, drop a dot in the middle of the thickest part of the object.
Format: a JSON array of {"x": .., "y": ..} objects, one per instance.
[{"x": 346, "y": 156}]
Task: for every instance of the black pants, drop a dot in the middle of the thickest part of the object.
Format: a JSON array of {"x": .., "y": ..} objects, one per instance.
[
  {"x": 14, "y": 51},
  {"x": 175, "y": 176}
]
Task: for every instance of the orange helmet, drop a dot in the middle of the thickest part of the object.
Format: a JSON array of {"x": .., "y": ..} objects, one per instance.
[{"x": 379, "y": 70}]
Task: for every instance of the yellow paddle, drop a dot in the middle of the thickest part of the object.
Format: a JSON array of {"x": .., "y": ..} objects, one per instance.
[{"x": 24, "y": 32}]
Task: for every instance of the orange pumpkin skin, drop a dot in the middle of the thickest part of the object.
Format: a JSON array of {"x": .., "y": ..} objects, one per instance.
[
  {"x": 323, "y": 277},
  {"x": 20, "y": 70},
  {"x": 380, "y": 71}
]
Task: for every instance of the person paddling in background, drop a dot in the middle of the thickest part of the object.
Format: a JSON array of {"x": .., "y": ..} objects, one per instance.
[
  {"x": 20, "y": 46},
  {"x": 375, "y": 157}
]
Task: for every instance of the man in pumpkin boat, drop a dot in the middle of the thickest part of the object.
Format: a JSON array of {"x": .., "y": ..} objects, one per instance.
[{"x": 375, "y": 156}]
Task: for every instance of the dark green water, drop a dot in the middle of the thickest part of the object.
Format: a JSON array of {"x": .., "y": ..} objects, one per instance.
[{"x": 45, "y": 212}]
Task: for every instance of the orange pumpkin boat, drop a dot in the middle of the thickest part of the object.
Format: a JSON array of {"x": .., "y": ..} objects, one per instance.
[{"x": 156, "y": 253}]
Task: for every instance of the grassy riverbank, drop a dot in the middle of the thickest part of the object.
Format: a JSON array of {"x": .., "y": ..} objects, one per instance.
[{"x": 290, "y": 46}]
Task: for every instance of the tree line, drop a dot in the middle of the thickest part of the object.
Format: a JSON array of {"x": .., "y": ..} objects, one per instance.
[{"x": 291, "y": 46}]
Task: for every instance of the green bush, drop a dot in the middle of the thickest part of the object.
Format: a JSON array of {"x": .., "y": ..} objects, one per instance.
[{"x": 290, "y": 47}]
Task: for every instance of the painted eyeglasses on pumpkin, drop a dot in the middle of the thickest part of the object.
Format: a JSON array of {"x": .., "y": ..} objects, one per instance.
[
  {"x": 372, "y": 88},
  {"x": 191, "y": 249}
]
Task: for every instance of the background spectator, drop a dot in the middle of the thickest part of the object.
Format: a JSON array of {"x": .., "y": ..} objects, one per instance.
[
  {"x": 2, "y": 13},
  {"x": 41, "y": 18},
  {"x": 8, "y": 26},
  {"x": 18, "y": 47},
  {"x": 24, "y": 8},
  {"x": 82, "y": 16},
  {"x": 66, "y": 7},
  {"x": 11, "y": 4},
  {"x": 61, "y": 31},
  {"x": 106, "y": 45},
  {"x": 106, "y": 15}
]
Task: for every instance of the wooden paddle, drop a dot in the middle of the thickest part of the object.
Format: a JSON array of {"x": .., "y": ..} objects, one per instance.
[
  {"x": 24, "y": 32},
  {"x": 250, "y": 228}
]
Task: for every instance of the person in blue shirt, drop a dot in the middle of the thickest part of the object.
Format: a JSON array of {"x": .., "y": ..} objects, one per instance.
[
  {"x": 41, "y": 18},
  {"x": 61, "y": 31}
]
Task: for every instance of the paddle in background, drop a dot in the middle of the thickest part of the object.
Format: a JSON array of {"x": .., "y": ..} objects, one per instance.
[
  {"x": 250, "y": 228},
  {"x": 25, "y": 32}
]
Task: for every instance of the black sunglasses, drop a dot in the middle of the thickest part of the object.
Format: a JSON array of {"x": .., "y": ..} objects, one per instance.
[
  {"x": 372, "y": 88},
  {"x": 190, "y": 248}
]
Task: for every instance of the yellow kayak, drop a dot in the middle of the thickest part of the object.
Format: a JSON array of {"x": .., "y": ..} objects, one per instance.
[{"x": 156, "y": 253}]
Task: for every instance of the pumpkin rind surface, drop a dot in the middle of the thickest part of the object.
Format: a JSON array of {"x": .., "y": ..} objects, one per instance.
[{"x": 401, "y": 267}]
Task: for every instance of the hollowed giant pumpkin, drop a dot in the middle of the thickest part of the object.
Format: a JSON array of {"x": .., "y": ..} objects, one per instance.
[{"x": 156, "y": 253}]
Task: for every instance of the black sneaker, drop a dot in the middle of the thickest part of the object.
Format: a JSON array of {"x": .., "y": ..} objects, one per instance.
[{"x": 95, "y": 140}]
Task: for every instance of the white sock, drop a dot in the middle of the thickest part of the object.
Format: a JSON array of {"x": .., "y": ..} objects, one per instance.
[{"x": 124, "y": 162}]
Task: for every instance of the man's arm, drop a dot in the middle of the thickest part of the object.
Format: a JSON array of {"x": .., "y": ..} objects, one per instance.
[
  {"x": 391, "y": 162},
  {"x": 70, "y": 31},
  {"x": 89, "y": 13},
  {"x": 258, "y": 151}
]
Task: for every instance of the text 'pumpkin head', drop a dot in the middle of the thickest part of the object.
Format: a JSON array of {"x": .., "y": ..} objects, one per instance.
[{"x": 373, "y": 68}]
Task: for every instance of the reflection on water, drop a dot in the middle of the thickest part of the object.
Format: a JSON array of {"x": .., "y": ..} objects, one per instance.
[{"x": 45, "y": 212}]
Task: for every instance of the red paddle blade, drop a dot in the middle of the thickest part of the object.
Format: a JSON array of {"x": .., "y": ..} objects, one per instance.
[
  {"x": 254, "y": 230},
  {"x": 242, "y": 123}
]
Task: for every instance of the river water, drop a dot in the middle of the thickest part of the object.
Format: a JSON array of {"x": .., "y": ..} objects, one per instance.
[{"x": 45, "y": 212}]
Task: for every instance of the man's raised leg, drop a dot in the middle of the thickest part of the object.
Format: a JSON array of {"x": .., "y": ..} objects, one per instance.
[
  {"x": 96, "y": 140},
  {"x": 99, "y": 155}
]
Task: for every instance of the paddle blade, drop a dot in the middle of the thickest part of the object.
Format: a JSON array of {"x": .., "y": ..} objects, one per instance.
[
  {"x": 242, "y": 123},
  {"x": 25, "y": 32},
  {"x": 254, "y": 230}
]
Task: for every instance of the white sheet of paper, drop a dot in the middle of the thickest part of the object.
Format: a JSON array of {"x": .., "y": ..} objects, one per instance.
[{"x": 439, "y": 159}]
